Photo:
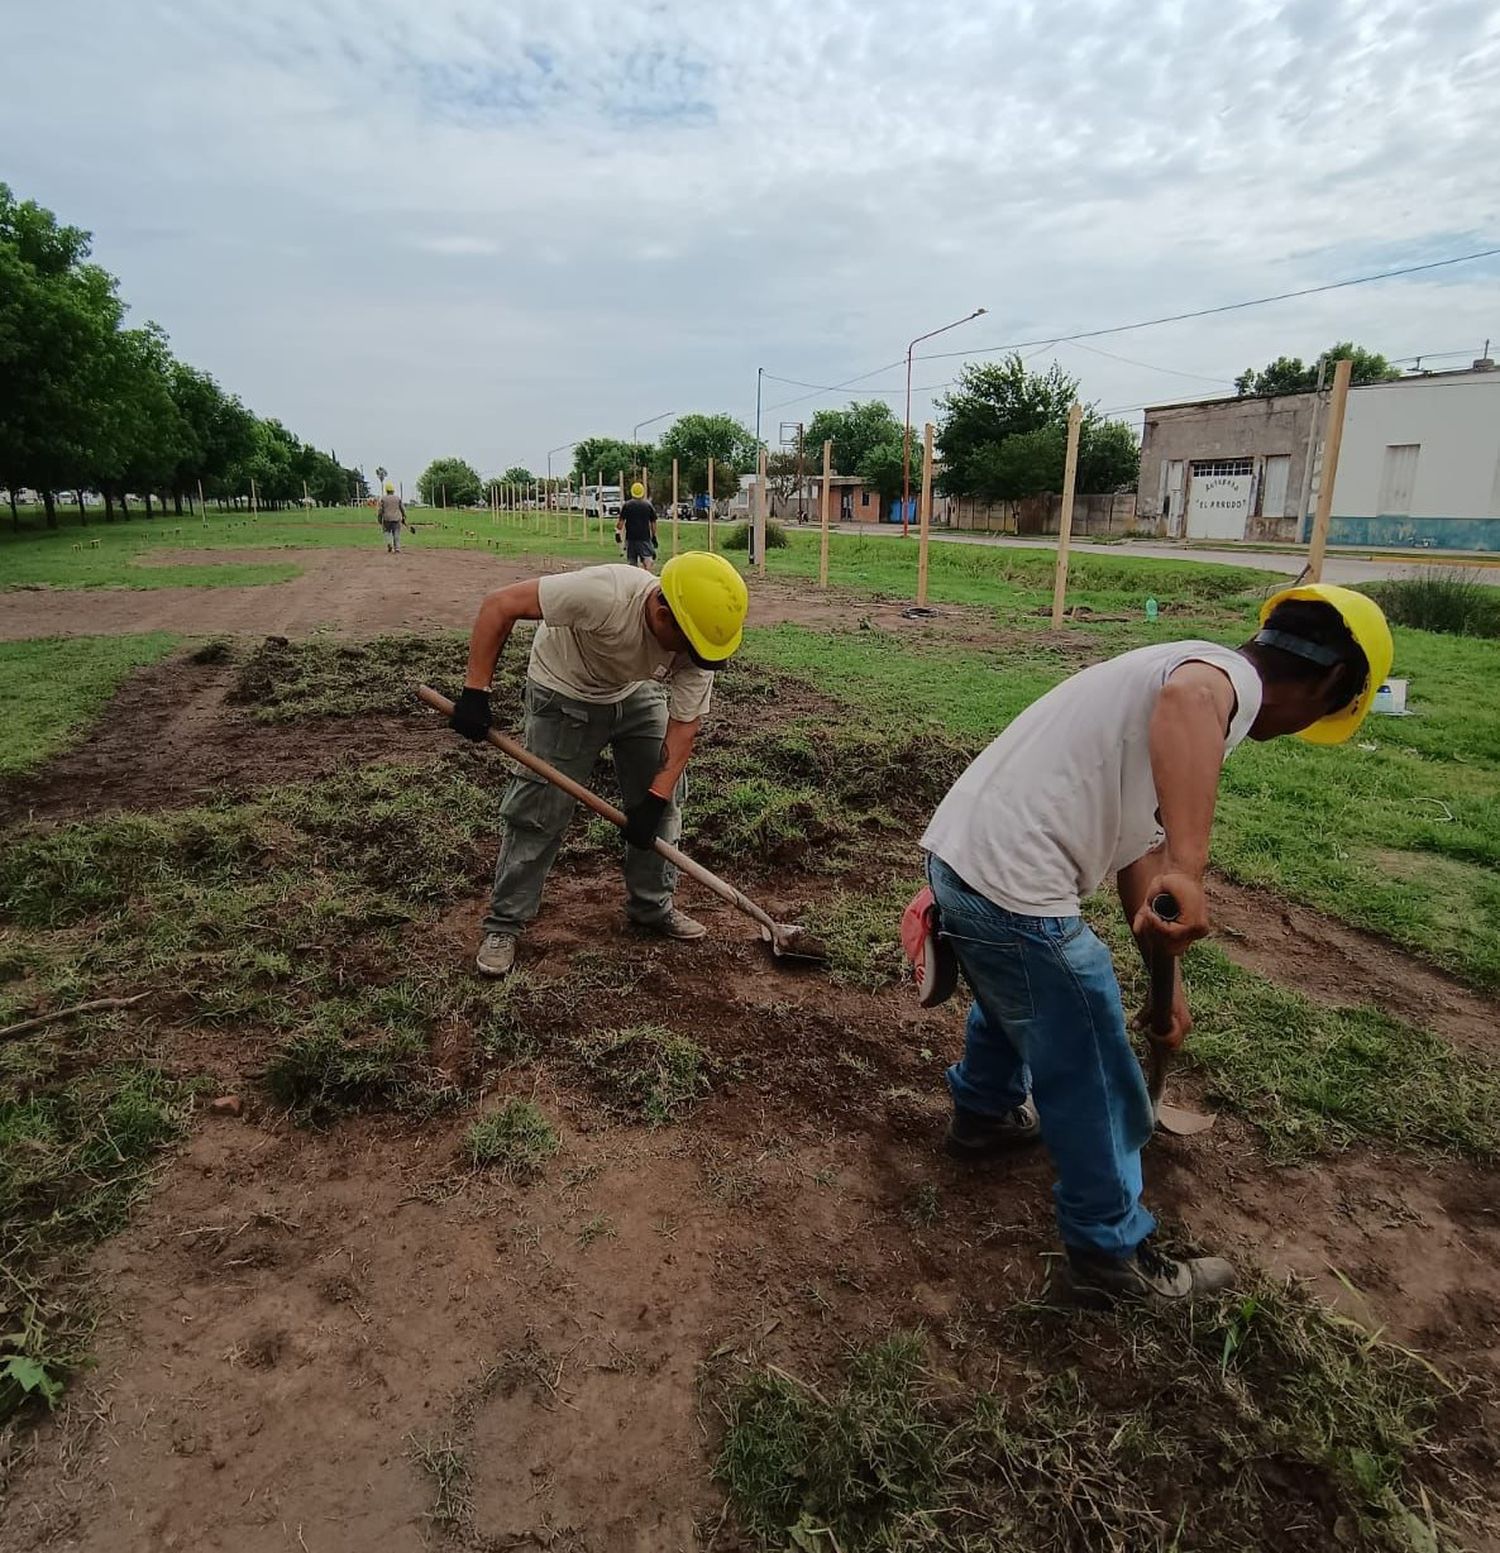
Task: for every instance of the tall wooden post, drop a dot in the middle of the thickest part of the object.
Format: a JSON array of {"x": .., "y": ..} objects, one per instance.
[
  {"x": 674, "y": 506},
  {"x": 1332, "y": 440},
  {"x": 760, "y": 511},
  {"x": 622, "y": 503},
  {"x": 924, "y": 518},
  {"x": 710, "y": 506},
  {"x": 254, "y": 499},
  {"x": 202, "y": 506},
  {"x": 599, "y": 505},
  {"x": 1065, "y": 522},
  {"x": 823, "y": 544}
]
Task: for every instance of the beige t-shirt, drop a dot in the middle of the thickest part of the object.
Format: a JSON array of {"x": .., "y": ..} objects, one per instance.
[{"x": 594, "y": 643}]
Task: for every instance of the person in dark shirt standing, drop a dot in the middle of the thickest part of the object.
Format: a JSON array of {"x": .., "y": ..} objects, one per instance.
[{"x": 637, "y": 525}]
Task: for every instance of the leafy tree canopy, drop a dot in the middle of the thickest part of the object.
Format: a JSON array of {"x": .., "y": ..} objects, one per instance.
[
  {"x": 694, "y": 439},
  {"x": 1289, "y": 374},
  {"x": 452, "y": 480}
]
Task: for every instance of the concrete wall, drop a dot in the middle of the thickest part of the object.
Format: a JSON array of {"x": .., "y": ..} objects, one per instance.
[
  {"x": 1107, "y": 514},
  {"x": 1454, "y": 490},
  {"x": 1219, "y": 429}
]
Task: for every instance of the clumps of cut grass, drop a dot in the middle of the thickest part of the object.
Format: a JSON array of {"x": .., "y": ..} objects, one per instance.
[
  {"x": 861, "y": 932},
  {"x": 646, "y": 1070},
  {"x": 517, "y": 1140},
  {"x": 446, "y": 1464},
  {"x": 285, "y": 681},
  {"x": 1248, "y": 1421}
]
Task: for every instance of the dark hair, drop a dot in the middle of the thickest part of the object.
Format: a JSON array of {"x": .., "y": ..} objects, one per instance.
[{"x": 1321, "y": 627}]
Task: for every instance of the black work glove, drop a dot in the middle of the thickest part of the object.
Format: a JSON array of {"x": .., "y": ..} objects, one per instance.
[
  {"x": 644, "y": 820},
  {"x": 471, "y": 714}
]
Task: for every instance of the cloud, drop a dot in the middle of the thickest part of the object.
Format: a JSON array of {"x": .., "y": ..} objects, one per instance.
[{"x": 460, "y": 227}]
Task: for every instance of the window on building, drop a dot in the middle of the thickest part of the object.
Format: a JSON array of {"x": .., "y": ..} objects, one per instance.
[
  {"x": 1398, "y": 478},
  {"x": 1221, "y": 466},
  {"x": 864, "y": 498}
]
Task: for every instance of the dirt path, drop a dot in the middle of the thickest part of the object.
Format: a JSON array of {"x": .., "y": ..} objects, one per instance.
[{"x": 363, "y": 593}]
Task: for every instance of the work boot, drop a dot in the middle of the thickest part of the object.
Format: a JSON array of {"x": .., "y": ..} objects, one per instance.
[
  {"x": 1097, "y": 1279},
  {"x": 678, "y": 925},
  {"x": 973, "y": 1135},
  {"x": 497, "y": 954}
]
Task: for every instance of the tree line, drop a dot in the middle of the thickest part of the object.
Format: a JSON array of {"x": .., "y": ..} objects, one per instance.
[{"x": 87, "y": 404}]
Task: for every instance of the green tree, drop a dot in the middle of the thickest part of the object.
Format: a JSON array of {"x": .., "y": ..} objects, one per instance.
[
  {"x": 855, "y": 432},
  {"x": 517, "y": 474},
  {"x": 884, "y": 468},
  {"x": 1109, "y": 457},
  {"x": 694, "y": 439},
  {"x": 609, "y": 456},
  {"x": 1289, "y": 374},
  {"x": 453, "y": 476}
]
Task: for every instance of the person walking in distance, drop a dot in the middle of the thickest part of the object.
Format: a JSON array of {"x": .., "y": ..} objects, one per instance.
[
  {"x": 620, "y": 658},
  {"x": 1115, "y": 773},
  {"x": 637, "y": 525},
  {"x": 390, "y": 514}
]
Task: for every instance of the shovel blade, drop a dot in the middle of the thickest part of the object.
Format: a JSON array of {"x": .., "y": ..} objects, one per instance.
[
  {"x": 791, "y": 942},
  {"x": 1181, "y": 1122}
]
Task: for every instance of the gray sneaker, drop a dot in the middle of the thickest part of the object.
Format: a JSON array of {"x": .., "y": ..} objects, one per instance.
[
  {"x": 974, "y": 1136},
  {"x": 677, "y": 924},
  {"x": 1096, "y": 1279},
  {"x": 497, "y": 954}
]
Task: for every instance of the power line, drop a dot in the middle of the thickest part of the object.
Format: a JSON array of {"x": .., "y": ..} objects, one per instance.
[
  {"x": 1224, "y": 307},
  {"x": 1149, "y": 366}
]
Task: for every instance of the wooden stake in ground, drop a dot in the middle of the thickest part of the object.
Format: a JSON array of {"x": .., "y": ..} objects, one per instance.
[
  {"x": 1333, "y": 438},
  {"x": 674, "y": 506},
  {"x": 202, "y": 505},
  {"x": 710, "y": 506},
  {"x": 760, "y": 512},
  {"x": 599, "y": 505},
  {"x": 254, "y": 500},
  {"x": 924, "y": 517},
  {"x": 1065, "y": 522},
  {"x": 823, "y": 543}
]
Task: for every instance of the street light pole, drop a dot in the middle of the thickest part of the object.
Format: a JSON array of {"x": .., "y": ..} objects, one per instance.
[
  {"x": 636, "y": 432},
  {"x": 760, "y": 372},
  {"x": 550, "y": 451},
  {"x": 906, "y": 433}
]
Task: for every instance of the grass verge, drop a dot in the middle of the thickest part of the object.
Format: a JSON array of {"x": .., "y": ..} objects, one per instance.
[
  {"x": 1301, "y": 1430},
  {"x": 52, "y": 689},
  {"x": 517, "y": 1140}
]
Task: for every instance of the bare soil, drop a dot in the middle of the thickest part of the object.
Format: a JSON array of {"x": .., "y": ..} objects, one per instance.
[
  {"x": 296, "y": 1319},
  {"x": 363, "y": 593}
]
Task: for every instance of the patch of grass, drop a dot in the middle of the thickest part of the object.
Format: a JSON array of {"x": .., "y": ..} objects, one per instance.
[
  {"x": 1313, "y": 1077},
  {"x": 323, "y": 676},
  {"x": 1440, "y": 598},
  {"x": 1260, "y": 1422},
  {"x": 53, "y": 689},
  {"x": 646, "y": 1070},
  {"x": 861, "y": 931},
  {"x": 446, "y": 1465},
  {"x": 598, "y": 1226},
  {"x": 738, "y": 537},
  {"x": 517, "y": 1140}
]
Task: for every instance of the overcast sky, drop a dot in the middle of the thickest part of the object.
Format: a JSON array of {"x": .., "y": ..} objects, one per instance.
[{"x": 419, "y": 227}]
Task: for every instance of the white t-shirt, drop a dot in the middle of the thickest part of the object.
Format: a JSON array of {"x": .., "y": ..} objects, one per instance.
[
  {"x": 594, "y": 643},
  {"x": 1064, "y": 798}
]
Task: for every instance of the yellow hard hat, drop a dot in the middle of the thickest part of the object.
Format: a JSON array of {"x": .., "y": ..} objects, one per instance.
[
  {"x": 390, "y": 490},
  {"x": 709, "y": 600},
  {"x": 1367, "y": 625},
  {"x": 637, "y": 489}
]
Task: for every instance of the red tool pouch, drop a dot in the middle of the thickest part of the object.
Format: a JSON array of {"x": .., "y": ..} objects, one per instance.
[{"x": 934, "y": 966}]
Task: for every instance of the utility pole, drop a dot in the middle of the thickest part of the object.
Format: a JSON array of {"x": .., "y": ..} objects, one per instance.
[
  {"x": 906, "y": 433},
  {"x": 760, "y": 372},
  {"x": 1065, "y": 521},
  {"x": 760, "y": 511},
  {"x": 925, "y": 514},
  {"x": 1332, "y": 441},
  {"x": 823, "y": 545},
  {"x": 801, "y": 478}
]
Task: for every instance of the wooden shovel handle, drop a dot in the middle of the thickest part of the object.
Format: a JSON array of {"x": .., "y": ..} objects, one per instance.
[{"x": 607, "y": 811}]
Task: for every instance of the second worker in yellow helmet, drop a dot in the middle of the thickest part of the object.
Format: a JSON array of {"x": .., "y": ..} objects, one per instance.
[{"x": 620, "y": 659}]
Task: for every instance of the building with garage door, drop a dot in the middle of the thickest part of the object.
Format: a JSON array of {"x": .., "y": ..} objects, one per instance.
[{"x": 1419, "y": 466}]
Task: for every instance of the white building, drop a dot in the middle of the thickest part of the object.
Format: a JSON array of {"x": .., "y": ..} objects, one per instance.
[{"x": 1419, "y": 466}]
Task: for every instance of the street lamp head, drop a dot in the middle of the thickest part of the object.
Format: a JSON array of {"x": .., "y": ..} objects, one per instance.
[{"x": 979, "y": 312}]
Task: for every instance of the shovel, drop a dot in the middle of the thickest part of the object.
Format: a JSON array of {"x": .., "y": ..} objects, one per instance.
[
  {"x": 787, "y": 940},
  {"x": 1174, "y": 1119}
]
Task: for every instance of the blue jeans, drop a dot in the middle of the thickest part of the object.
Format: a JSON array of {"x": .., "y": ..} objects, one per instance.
[{"x": 1047, "y": 1020}]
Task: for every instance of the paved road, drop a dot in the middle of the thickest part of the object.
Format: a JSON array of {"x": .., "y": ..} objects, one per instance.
[{"x": 1340, "y": 566}]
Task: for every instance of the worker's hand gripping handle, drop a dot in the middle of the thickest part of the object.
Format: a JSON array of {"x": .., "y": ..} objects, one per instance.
[{"x": 1163, "y": 969}]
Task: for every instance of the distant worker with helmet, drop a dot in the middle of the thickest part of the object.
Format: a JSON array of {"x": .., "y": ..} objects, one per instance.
[
  {"x": 1114, "y": 772},
  {"x": 636, "y": 525},
  {"x": 624, "y": 659}
]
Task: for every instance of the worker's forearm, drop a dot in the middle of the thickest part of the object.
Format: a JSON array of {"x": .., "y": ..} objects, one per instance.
[
  {"x": 676, "y": 750},
  {"x": 1133, "y": 881},
  {"x": 486, "y": 642},
  {"x": 1187, "y": 750}
]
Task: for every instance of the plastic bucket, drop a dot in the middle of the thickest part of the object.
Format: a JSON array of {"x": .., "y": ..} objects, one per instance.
[{"x": 1390, "y": 699}]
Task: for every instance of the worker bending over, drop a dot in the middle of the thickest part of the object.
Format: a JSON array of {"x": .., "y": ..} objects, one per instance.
[
  {"x": 620, "y": 659},
  {"x": 1114, "y": 772}
]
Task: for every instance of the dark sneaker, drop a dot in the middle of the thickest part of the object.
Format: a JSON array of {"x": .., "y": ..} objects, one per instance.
[
  {"x": 677, "y": 924},
  {"x": 1096, "y": 1279},
  {"x": 972, "y": 1135},
  {"x": 497, "y": 955}
]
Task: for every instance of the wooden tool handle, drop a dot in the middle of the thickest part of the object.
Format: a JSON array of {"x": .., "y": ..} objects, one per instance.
[
  {"x": 1163, "y": 971},
  {"x": 606, "y": 810}
]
